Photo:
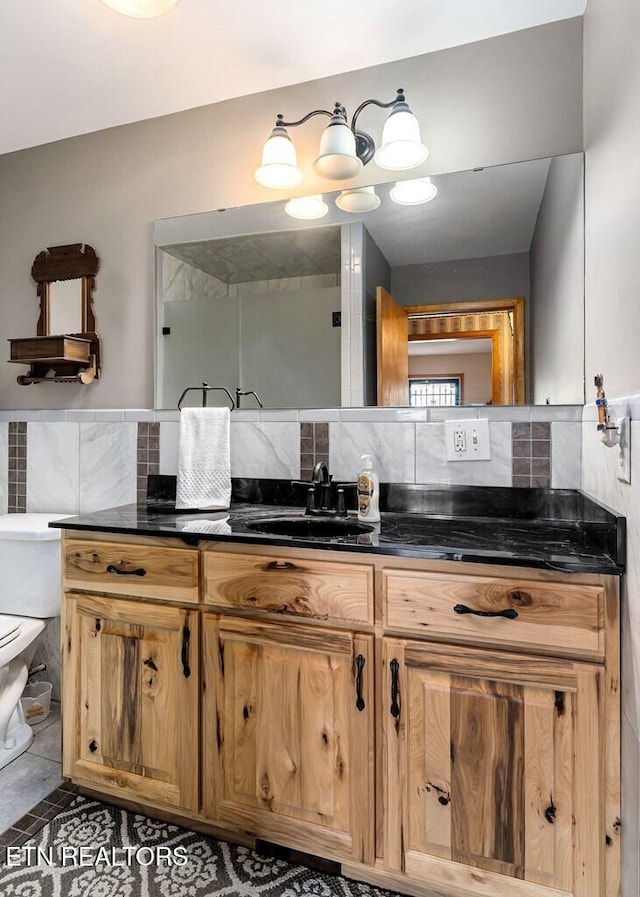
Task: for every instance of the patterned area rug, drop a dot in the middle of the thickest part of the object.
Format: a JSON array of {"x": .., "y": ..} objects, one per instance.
[{"x": 92, "y": 849}]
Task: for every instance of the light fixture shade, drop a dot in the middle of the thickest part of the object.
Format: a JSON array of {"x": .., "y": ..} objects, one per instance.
[
  {"x": 141, "y": 9},
  {"x": 279, "y": 169},
  {"x": 306, "y": 208},
  {"x": 337, "y": 159},
  {"x": 357, "y": 200},
  {"x": 413, "y": 192},
  {"x": 402, "y": 145}
]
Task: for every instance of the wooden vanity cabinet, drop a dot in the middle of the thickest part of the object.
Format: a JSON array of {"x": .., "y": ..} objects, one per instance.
[
  {"x": 131, "y": 669},
  {"x": 344, "y": 705},
  {"x": 288, "y": 741}
]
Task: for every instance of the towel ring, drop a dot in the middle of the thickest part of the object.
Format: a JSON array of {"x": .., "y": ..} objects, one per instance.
[{"x": 205, "y": 388}]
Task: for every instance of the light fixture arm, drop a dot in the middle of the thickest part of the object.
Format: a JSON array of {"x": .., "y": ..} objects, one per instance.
[{"x": 365, "y": 146}]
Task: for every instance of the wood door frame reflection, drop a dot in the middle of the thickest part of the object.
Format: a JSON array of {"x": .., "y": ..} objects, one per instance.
[
  {"x": 496, "y": 361},
  {"x": 515, "y": 305}
]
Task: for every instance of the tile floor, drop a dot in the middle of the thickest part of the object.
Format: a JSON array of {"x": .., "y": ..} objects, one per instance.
[{"x": 30, "y": 778}]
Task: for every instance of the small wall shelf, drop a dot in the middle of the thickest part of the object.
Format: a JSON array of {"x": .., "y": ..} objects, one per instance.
[
  {"x": 55, "y": 359},
  {"x": 66, "y": 348}
]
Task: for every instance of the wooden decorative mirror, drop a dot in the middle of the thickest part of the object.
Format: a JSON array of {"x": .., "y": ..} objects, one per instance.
[{"x": 66, "y": 348}]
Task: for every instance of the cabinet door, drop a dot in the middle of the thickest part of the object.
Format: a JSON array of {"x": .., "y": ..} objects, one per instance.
[
  {"x": 288, "y": 734},
  {"x": 131, "y": 699},
  {"x": 494, "y": 778}
]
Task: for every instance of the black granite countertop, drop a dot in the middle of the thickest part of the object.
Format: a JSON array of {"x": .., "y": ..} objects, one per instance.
[{"x": 561, "y": 530}]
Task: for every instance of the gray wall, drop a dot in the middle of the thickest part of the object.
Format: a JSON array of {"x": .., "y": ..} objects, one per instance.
[
  {"x": 463, "y": 280},
  {"x": 509, "y": 98},
  {"x": 612, "y": 310},
  {"x": 557, "y": 287}
]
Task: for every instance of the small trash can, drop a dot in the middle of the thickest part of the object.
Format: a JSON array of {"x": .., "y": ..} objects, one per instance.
[{"x": 36, "y": 701}]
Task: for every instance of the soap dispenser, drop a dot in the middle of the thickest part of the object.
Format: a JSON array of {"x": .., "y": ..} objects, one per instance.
[{"x": 368, "y": 492}]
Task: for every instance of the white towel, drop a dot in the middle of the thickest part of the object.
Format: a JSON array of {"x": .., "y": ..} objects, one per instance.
[
  {"x": 218, "y": 527},
  {"x": 204, "y": 464}
]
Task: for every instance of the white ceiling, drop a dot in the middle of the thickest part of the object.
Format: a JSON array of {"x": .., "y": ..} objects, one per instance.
[
  {"x": 73, "y": 66},
  {"x": 450, "y": 347}
]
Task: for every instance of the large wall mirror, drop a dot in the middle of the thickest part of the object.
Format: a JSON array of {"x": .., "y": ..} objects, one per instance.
[{"x": 474, "y": 297}]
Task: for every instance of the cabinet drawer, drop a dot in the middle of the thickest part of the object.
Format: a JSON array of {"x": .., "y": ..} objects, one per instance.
[
  {"x": 541, "y": 616},
  {"x": 300, "y": 587},
  {"x": 139, "y": 570}
]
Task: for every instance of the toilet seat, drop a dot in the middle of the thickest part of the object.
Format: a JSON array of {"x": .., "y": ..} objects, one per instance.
[{"x": 10, "y": 629}]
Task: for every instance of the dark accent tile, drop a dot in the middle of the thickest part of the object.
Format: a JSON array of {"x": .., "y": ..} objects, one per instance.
[
  {"x": 540, "y": 448},
  {"x": 68, "y": 786},
  {"x": 306, "y": 473},
  {"x": 541, "y": 467},
  {"x": 154, "y": 443},
  {"x": 521, "y": 467},
  {"x": 541, "y": 430},
  {"x": 322, "y": 444},
  {"x": 521, "y": 431},
  {"x": 306, "y": 431},
  {"x": 307, "y": 461},
  {"x": 322, "y": 457},
  {"x": 154, "y": 430},
  {"x": 7, "y": 838},
  {"x": 521, "y": 481},
  {"x": 541, "y": 482},
  {"x": 321, "y": 431},
  {"x": 521, "y": 449}
]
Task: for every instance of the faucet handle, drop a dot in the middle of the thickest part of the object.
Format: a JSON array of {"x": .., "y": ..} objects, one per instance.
[
  {"x": 311, "y": 500},
  {"x": 341, "y": 505}
]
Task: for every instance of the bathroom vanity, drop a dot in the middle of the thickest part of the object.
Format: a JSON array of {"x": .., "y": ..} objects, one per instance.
[{"x": 434, "y": 705}]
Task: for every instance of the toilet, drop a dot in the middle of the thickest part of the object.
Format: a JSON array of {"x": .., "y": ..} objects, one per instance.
[{"x": 29, "y": 597}]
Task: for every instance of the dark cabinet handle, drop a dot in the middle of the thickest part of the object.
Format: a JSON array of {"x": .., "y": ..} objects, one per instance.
[
  {"x": 186, "y": 635},
  {"x": 395, "y": 707},
  {"x": 508, "y": 612},
  {"x": 360, "y": 662},
  {"x": 281, "y": 565},
  {"x": 140, "y": 571}
]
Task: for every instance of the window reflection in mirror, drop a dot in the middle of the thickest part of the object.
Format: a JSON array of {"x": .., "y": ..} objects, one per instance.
[
  {"x": 247, "y": 297},
  {"x": 65, "y": 306}
]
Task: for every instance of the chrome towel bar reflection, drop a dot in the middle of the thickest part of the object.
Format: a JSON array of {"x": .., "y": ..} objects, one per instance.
[{"x": 205, "y": 388}]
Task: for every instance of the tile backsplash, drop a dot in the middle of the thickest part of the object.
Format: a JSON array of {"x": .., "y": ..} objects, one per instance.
[{"x": 75, "y": 461}]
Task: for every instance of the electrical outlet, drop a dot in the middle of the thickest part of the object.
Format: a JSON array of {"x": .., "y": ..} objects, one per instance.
[{"x": 467, "y": 440}]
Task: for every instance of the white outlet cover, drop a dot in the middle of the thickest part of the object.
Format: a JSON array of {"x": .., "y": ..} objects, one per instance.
[{"x": 476, "y": 439}]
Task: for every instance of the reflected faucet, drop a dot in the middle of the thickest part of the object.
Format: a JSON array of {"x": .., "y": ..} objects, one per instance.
[{"x": 246, "y": 392}]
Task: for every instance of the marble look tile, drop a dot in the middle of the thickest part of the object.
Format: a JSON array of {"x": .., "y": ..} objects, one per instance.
[
  {"x": 286, "y": 284},
  {"x": 195, "y": 283},
  {"x": 53, "y": 467},
  {"x": 107, "y": 465},
  {"x": 4, "y": 465},
  {"x": 80, "y": 416},
  {"x": 166, "y": 415},
  {"x": 47, "y": 743},
  {"x": 392, "y": 446},
  {"x": 319, "y": 281},
  {"x": 173, "y": 279},
  {"x": 630, "y": 832},
  {"x": 111, "y": 415},
  {"x": 318, "y": 415},
  {"x": 169, "y": 434},
  {"x": 556, "y": 412},
  {"x": 139, "y": 414},
  {"x": 286, "y": 414},
  {"x": 519, "y": 413},
  {"x": 566, "y": 455},
  {"x": 48, "y": 651},
  {"x": 432, "y": 466},
  {"x": 265, "y": 449},
  {"x": 6, "y": 416},
  {"x": 216, "y": 289},
  {"x": 23, "y": 784},
  {"x": 464, "y": 413},
  {"x": 391, "y": 415}
]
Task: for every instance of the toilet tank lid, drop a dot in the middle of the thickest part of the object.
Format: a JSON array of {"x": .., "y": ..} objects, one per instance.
[{"x": 21, "y": 527}]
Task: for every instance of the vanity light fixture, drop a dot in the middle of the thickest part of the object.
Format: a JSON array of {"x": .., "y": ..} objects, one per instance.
[
  {"x": 141, "y": 9},
  {"x": 343, "y": 148},
  {"x": 357, "y": 200},
  {"x": 413, "y": 192},
  {"x": 306, "y": 208}
]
